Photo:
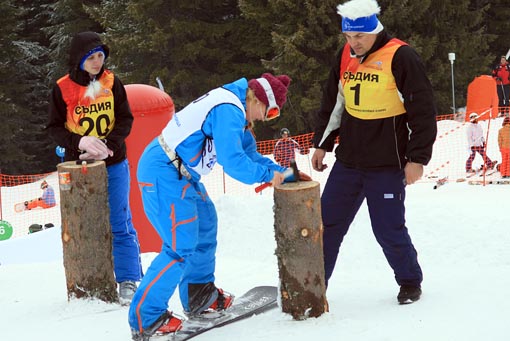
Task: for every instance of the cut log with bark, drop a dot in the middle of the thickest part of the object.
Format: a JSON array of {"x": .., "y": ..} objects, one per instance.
[
  {"x": 86, "y": 232},
  {"x": 298, "y": 233}
]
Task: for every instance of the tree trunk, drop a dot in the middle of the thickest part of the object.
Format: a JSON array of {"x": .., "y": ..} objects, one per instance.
[
  {"x": 298, "y": 233},
  {"x": 86, "y": 232}
]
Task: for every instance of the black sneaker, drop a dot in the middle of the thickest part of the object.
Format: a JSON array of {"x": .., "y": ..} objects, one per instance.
[{"x": 408, "y": 294}]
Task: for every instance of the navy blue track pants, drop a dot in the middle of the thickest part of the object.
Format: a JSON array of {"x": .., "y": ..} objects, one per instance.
[{"x": 384, "y": 190}]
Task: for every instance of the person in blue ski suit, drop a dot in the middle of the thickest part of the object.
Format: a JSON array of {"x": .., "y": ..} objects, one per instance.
[
  {"x": 379, "y": 102},
  {"x": 82, "y": 103},
  {"x": 214, "y": 128}
]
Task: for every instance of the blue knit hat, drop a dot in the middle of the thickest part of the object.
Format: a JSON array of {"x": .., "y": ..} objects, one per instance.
[
  {"x": 360, "y": 16},
  {"x": 91, "y": 52}
]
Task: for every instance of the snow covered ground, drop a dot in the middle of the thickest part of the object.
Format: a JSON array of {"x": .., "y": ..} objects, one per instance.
[{"x": 460, "y": 231}]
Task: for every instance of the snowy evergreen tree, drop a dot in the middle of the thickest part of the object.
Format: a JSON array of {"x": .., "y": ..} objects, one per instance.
[
  {"x": 23, "y": 91},
  {"x": 32, "y": 70},
  {"x": 68, "y": 17},
  {"x": 305, "y": 37},
  {"x": 498, "y": 25},
  {"x": 435, "y": 28},
  {"x": 192, "y": 46},
  {"x": 13, "y": 111}
]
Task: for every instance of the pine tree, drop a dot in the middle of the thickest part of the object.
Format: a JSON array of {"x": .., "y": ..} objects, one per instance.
[
  {"x": 192, "y": 46},
  {"x": 498, "y": 24},
  {"x": 32, "y": 70},
  {"x": 68, "y": 17},
  {"x": 12, "y": 110},
  {"x": 435, "y": 28},
  {"x": 305, "y": 37}
]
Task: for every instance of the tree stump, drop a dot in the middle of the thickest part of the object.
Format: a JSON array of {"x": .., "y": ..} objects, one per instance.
[
  {"x": 86, "y": 232},
  {"x": 298, "y": 233}
]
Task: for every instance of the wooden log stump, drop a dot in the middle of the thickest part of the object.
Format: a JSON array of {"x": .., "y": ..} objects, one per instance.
[
  {"x": 298, "y": 233},
  {"x": 86, "y": 232}
]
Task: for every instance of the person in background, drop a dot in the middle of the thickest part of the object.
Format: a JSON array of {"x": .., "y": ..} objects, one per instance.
[
  {"x": 89, "y": 115},
  {"x": 380, "y": 103},
  {"x": 502, "y": 75},
  {"x": 215, "y": 128},
  {"x": 476, "y": 144},
  {"x": 285, "y": 149},
  {"x": 46, "y": 200},
  {"x": 504, "y": 148}
]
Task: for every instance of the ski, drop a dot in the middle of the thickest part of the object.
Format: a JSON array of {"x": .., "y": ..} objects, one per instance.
[
  {"x": 441, "y": 182},
  {"x": 471, "y": 174}
]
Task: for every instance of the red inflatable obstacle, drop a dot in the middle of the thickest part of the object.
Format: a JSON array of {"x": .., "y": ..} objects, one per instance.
[
  {"x": 152, "y": 109},
  {"x": 482, "y": 98}
]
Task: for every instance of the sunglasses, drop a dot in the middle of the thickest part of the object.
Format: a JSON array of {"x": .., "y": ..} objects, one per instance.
[{"x": 273, "y": 110}]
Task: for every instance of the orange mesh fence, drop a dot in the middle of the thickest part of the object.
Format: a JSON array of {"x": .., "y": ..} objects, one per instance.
[
  {"x": 448, "y": 161},
  {"x": 267, "y": 147},
  {"x": 451, "y": 151}
]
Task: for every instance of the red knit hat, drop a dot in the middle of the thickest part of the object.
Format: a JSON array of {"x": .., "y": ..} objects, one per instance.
[{"x": 279, "y": 85}]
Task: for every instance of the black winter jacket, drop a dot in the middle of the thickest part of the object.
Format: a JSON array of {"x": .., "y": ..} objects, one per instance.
[
  {"x": 388, "y": 142},
  {"x": 81, "y": 44}
]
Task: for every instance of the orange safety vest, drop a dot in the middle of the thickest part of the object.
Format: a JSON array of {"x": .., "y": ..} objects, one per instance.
[
  {"x": 93, "y": 114},
  {"x": 370, "y": 90}
]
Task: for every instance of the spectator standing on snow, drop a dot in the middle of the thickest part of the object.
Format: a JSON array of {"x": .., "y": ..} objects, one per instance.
[
  {"x": 90, "y": 117},
  {"x": 502, "y": 75},
  {"x": 379, "y": 100},
  {"x": 476, "y": 144},
  {"x": 285, "y": 149},
  {"x": 214, "y": 128},
  {"x": 504, "y": 148}
]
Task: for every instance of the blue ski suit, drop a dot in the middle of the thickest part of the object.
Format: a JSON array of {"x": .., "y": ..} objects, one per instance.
[{"x": 211, "y": 129}]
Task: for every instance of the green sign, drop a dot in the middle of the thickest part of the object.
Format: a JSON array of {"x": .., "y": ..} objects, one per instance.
[{"x": 5, "y": 230}]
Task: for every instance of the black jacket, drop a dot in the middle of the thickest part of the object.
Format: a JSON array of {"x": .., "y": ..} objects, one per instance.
[
  {"x": 388, "y": 142},
  {"x": 80, "y": 45}
]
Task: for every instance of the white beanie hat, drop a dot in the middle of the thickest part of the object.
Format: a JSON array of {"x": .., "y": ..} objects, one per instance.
[{"x": 360, "y": 16}]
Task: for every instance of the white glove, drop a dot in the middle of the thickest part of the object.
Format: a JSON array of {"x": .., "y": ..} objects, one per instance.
[
  {"x": 92, "y": 145},
  {"x": 89, "y": 156}
]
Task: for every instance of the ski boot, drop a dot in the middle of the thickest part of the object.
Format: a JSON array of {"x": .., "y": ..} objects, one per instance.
[
  {"x": 224, "y": 301},
  {"x": 166, "y": 324},
  {"x": 127, "y": 290},
  {"x": 212, "y": 305}
]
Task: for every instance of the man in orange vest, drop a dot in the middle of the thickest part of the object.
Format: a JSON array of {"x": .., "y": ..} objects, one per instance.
[{"x": 380, "y": 103}]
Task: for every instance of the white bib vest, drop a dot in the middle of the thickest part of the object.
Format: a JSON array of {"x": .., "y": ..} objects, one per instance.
[{"x": 190, "y": 119}]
